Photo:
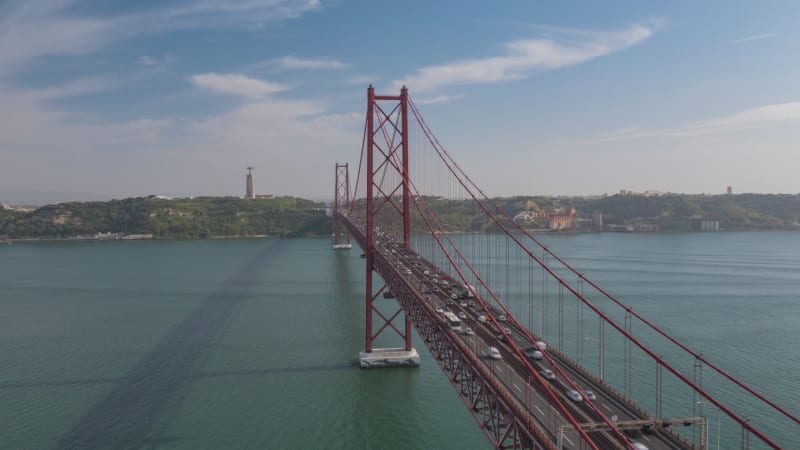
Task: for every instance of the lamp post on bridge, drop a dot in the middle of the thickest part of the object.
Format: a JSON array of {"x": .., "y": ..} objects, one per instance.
[{"x": 701, "y": 403}]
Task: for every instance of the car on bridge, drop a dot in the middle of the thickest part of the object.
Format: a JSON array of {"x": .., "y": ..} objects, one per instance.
[
  {"x": 469, "y": 332},
  {"x": 589, "y": 395},
  {"x": 533, "y": 353},
  {"x": 494, "y": 353},
  {"x": 574, "y": 395},
  {"x": 548, "y": 374}
]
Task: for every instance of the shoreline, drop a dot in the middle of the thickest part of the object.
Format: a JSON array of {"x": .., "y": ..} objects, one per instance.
[
  {"x": 72, "y": 239},
  {"x": 269, "y": 236}
]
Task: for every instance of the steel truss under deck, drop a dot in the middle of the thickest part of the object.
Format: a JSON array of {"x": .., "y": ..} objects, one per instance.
[{"x": 505, "y": 422}]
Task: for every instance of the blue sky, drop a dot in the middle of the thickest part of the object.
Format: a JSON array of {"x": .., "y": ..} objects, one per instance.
[{"x": 121, "y": 98}]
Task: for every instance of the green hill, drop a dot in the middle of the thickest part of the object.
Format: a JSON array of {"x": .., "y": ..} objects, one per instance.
[
  {"x": 734, "y": 212},
  {"x": 204, "y": 217},
  {"x": 179, "y": 218}
]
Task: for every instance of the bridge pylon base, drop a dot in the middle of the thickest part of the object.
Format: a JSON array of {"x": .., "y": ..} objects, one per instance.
[{"x": 389, "y": 357}]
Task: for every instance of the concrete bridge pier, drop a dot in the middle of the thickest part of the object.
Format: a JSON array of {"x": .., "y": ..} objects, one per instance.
[{"x": 389, "y": 357}]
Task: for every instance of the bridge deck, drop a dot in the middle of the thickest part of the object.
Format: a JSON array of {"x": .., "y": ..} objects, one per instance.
[{"x": 417, "y": 281}]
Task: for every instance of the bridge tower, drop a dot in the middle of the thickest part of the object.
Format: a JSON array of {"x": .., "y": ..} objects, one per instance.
[
  {"x": 341, "y": 203},
  {"x": 386, "y": 154}
]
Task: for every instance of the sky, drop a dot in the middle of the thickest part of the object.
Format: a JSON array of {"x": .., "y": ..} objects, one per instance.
[{"x": 112, "y": 98}]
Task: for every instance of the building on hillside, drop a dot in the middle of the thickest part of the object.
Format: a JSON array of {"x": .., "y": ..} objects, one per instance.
[
  {"x": 597, "y": 221},
  {"x": 562, "y": 220},
  {"x": 527, "y": 216},
  {"x": 709, "y": 225}
]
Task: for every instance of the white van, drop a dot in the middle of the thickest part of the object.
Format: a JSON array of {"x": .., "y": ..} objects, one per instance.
[{"x": 482, "y": 318}]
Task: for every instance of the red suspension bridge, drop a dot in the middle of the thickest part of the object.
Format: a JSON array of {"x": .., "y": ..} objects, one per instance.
[{"x": 542, "y": 356}]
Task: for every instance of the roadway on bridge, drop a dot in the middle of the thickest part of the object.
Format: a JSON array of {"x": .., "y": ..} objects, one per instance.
[{"x": 432, "y": 286}]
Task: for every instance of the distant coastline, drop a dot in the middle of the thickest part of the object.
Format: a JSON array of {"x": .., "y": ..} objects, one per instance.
[
  {"x": 145, "y": 218},
  {"x": 159, "y": 218}
]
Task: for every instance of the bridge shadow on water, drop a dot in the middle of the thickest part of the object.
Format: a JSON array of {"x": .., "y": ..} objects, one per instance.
[
  {"x": 352, "y": 364},
  {"x": 135, "y": 411}
]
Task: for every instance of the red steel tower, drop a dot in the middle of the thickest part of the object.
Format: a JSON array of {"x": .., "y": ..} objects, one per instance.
[
  {"x": 387, "y": 151},
  {"x": 341, "y": 203}
]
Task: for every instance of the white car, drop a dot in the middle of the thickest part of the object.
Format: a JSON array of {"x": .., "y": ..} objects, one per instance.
[
  {"x": 462, "y": 315},
  {"x": 574, "y": 395},
  {"x": 494, "y": 353},
  {"x": 589, "y": 395},
  {"x": 469, "y": 332},
  {"x": 532, "y": 353},
  {"x": 638, "y": 446},
  {"x": 440, "y": 310},
  {"x": 548, "y": 374}
]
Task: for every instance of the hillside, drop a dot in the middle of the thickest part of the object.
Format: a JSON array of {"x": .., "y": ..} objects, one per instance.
[
  {"x": 665, "y": 212},
  {"x": 287, "y": 216},
  {"x": 164, "y": 218},
  {"x": 734, "y": 212}
]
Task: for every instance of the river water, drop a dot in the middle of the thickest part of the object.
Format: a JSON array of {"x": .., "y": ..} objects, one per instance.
[{"x": 253, "y": 343}]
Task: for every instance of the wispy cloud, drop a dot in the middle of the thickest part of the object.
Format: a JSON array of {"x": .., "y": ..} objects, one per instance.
[
  {"x": 755, "y": 37},
  {"x": 121, "y": 153},
  {"x": 759, "y": 117},
  {"x": 339, "y": 120},
  {"x": 524, "y": 57},
  {"x": 75, "y": 88},
  {"x": 236, "y": 84},
  {"x": 153, "y": 65},
  {"x": 145, "y": 60},
  {"x": 364, "y": 79},
  {"x": 767, "y": 115},
  {"x": 439, "y": 99},
  {"x": 626, "y": 134},
  {"x": 293, "y": 63},
  {"x": 31, "y": 30},
  {"x": 27, "y": 112}
]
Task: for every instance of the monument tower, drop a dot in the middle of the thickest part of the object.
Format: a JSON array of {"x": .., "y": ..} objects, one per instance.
[{"x": 249, "y": 190}]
